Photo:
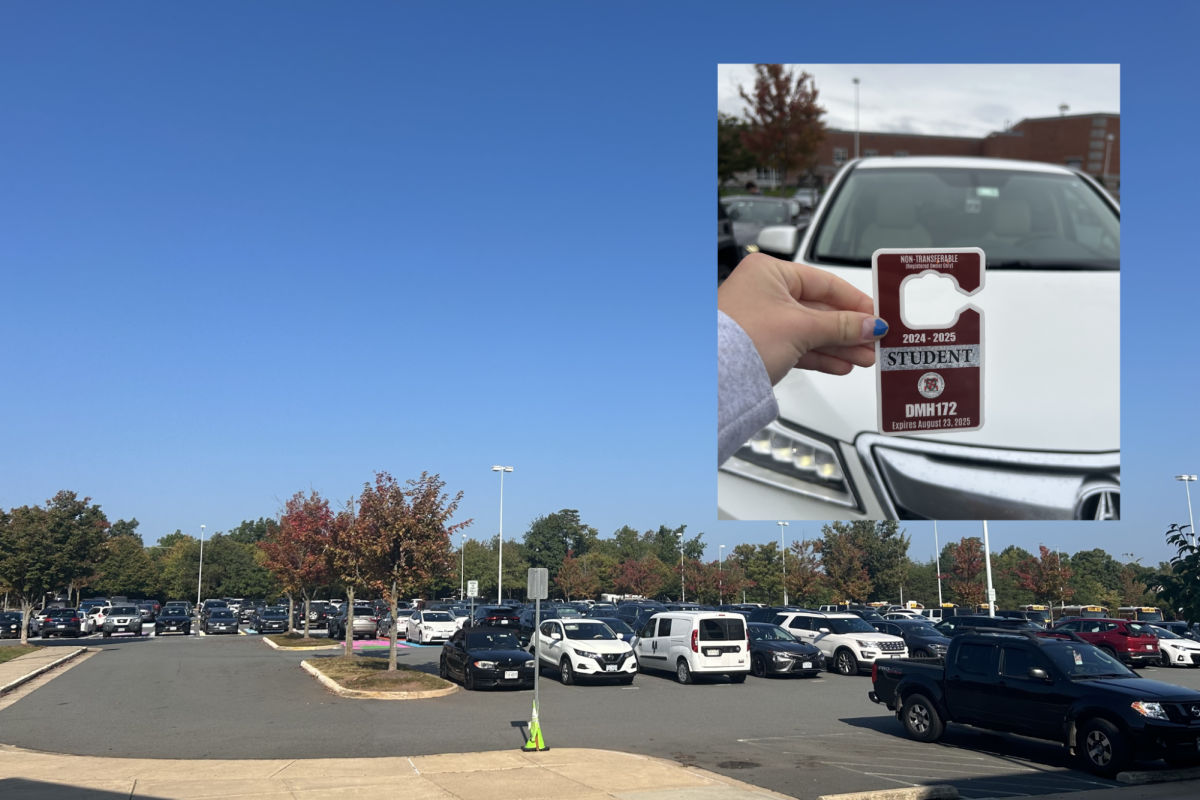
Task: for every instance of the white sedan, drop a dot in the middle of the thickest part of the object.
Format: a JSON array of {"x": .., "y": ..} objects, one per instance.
[
  {"x": 582, "y": 648},
  {"x": 1050, "y": 445},
  {"x": 429, "y": 626},
  {"x": 1174, "y": 650}
]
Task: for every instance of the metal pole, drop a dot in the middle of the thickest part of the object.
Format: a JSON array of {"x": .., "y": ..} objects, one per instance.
[
  {"x": 500, "y": 566},
  {"x": 856, "y": 117},
  {"x": 1107, "y": 153},
  {"x": 937, "y": 553},
  {"x": 721, "y": 573},
  {"x": 537, "y": 656},
  {"x": 987, "y": 560},
  {"x": 682, "y": 588},
  {"x": 200, "y": 575},
  {"x": 462, "y": 570},
  {"x": 782, "y": 547},
  {"x": 1191, "y": 522}
]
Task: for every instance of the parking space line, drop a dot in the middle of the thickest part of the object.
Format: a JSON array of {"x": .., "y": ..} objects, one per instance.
[{"x": 988, "y": 770}]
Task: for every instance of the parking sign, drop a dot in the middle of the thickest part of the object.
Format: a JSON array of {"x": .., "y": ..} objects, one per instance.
[
  {"x": 539, "y": 583},
  {"x": 472, "y": 588}
]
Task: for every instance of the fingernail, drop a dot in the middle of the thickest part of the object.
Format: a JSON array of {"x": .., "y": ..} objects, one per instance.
[{"x": 873, "y": 328}]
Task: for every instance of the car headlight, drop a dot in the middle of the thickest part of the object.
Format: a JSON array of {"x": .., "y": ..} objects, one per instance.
[
  {"x": 867, "y": 645},
  {"x": 485, "y": 664},
  {"x": 782, "y": 657},
  {"x": 1152, "y": 710},
  {"x": 586, "y": 654},
  {"x": 799, "y": 461}
]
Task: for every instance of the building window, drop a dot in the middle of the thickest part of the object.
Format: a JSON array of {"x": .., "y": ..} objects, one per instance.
[
  {"x": 900, "y": 153},
  {"x": 1096, "y": 145},
  {"x": 1094, "y": 166},
  {"x": 839, "y": 155},
  {"x": 1075, "y": 163},
  {"x": 870, "y": 153},
  {"x": 1100, "y": 122},
  {"x": 1097, "y": 134}
]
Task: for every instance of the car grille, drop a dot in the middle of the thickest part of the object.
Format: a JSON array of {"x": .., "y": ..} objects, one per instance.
[
  {"x": 891, "y": 647},
  {"x": 931, "y": 480}
]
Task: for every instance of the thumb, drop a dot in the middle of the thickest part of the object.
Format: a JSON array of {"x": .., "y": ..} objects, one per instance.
[{"x": 840, "y": 328}]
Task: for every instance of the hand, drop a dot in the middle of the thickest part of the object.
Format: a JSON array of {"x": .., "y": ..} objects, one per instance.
[{"x": 801, "y": 317}]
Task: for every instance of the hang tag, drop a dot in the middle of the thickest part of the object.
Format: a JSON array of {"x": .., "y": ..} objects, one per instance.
[{"x": 928, "y": 379}]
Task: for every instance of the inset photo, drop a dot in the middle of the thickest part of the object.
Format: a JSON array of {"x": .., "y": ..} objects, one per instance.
[{"x": 918, "y": 291}]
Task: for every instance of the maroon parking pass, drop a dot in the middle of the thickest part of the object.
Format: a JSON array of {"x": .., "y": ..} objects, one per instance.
[{"x": 929, "y": 379}]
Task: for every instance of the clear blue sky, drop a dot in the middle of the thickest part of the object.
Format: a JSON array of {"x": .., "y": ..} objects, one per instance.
[{"x": 252, "y": 248}]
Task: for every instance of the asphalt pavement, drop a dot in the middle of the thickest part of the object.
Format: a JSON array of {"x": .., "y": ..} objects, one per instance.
[{"x": 231, "y": 697}]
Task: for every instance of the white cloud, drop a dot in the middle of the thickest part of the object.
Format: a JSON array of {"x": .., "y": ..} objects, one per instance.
[{"x": 946, "y": 99}]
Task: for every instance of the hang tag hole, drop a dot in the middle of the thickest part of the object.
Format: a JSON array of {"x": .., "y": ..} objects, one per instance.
[{"x": 930, "y": 301}]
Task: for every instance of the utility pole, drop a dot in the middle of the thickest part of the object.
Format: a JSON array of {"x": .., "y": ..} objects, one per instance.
[
  {"x": 937, "y": 554},
  {"x": 782, "y": 548},
  {"x": 856, "y": 117},
  {"x": 500, "y": 566},
  {"x": 987, "y": 560}
]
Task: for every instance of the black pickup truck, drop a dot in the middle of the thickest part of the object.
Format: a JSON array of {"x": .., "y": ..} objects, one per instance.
[{"x": 1047, "y": 686}]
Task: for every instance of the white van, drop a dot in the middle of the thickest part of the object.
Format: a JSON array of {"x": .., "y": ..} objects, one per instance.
[
  {"x": 848, "y": 643},
  {"x": 691, "y": 643}
]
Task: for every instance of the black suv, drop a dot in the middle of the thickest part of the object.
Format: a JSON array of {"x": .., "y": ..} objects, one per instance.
[{"x": 319, "y": 612}]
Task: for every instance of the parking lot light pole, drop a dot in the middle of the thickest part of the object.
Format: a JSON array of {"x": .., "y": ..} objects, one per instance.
[
  {"x": 200, "y": 575},
  {"x": 937, "y": 554},
  {"x": 856, "y": 117},
  {"x": 682, "y": 588},
  {"x": 782, "y": 548},
  {"x": 462, "y": 570},
  {"x": 987, "y": 560},
  {"x": 721, "y": 573},
  {"x": 1186, "y": 480},
  {"x": 1107, "y": 153},
  {"x": 500, "y": 568}
]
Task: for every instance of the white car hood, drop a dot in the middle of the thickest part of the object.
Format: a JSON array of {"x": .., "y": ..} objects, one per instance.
[
  {"x": 1051, "y": 367},
  {"x": 1181, "y": 644},
  {"x": 600, "y": 645}
]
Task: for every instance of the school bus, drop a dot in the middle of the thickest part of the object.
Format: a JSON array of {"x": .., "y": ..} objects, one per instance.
[
  {"x": 1140, "y": 613},
  {"x": 1087, "y": 612},
  {"x": 945, "y": 611},
  {"x": 1043, "y": 612}
]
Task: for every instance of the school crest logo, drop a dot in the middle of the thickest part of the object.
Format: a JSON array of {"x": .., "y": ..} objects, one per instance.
[{"x": 930, "y": 385}]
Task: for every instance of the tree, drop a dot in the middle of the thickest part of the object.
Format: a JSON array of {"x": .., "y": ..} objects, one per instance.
[
  {"x": 966, "y": 559},
  {"x": 845, "y": 563},
  {"x": 549, "y": 538},
  {"x": 79, "y": 529},
  {"x": 785, "y": 127},
  {"x": 26, "y": 559},
  {"x": 407, "y": 536},
  {"x": 732, "y": 582},
  {"x": 573, "y": 581},
  {"x": 1046, "y": 576},
  {"x": 1180, "y": 586},
  {"x": 732, "y": 156},
  {"x": 125, "y": 568},
  {"x": 295, "y": 550},
  {"x": 125, "y": 528},
  {"x": 350, "y": 558},
  {"x": 644, "y": 578},
  {"x": 253, "y": 531},
  {"x": 762, "y": 568},
  {"x": 805, "y": 579}
]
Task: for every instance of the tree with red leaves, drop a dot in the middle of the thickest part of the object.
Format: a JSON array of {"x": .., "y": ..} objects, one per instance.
[
  {"x": 296, "y": 551},
  {"x": 966, "y": 565},
  {"x": 785, "y": 127},
  {"x": 574, "y": 580},
  {"x": 643, "y": 577},
  {"x": 1046, "y": 576},
  {"x": 732, "y": 581}
]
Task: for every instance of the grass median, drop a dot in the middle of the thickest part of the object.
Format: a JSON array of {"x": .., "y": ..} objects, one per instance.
[
  {"x": 295, "y": 640},
  {"x": 369, "y": 674},
  {"x": 16, "y": 651}
]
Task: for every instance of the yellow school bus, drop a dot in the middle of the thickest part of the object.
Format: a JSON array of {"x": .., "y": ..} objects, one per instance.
[
  {"x": 1042, "y": 612},
  {"x": 1087, "y": 612},
  {"x": 1140, "y": 613}
]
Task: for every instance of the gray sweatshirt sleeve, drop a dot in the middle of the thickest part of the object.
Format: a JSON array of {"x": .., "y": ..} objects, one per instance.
[{"x": 745, "y": 402}]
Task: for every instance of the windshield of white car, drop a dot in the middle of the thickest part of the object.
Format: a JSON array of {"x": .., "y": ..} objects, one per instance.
[
  {"x": 854, "y": 625},
  {"x": 492, "y": 641},
  {"x": 770, "y": 633},
  {"x": 588, "y": 630},
  {"x": 765, "y": 211},
  {"x": 436, "y": 616},
  {"x": 618, "y": 625},
  {"x": 1021, "y": 220}
]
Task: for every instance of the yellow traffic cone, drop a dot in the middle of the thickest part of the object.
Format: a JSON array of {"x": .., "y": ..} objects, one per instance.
[{"x": 536, "y": 742}]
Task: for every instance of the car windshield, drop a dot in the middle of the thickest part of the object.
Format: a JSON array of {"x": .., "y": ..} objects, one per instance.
[
  {"x": 720, "y": 629},
  {"x": 1080, "y": 661},
  {"x": 221, "y": 613},
  {"x": 770, "y": 633},
  {"x": 215, "y": 604},
  {"x": 852, "y": 625},
  {"x": 588, "y": 630},
  {"x": 1022, "y": 220},
  {"x": 764, "y": 211},
  {"x": 603, "y": 611},
  {"x": 461, "y": 612},
  {"x": 617, "y": 625},
  {"x": 920, "y": 631},
  {"x": 568, "y": 611},
  {"x": 437, "y": 616},
  {"x": 124, "y": 610},
  {"x": 174, "y": 612},
  {"x": 62, "y": 612},
  {"x": 1163, "y": 633},
  {"x": 492, "y": 641},
  {"x": 1139, "y": 629},
  {"x": 363, "y": 611},
  {"x": 272, "y": 613}
]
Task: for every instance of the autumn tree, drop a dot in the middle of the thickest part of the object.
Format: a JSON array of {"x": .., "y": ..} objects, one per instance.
[
  {"x": 1046, "y": 576},
  {"x": 352, "y": 561},
  {"x": 966, "y": 565},
  {"x": 295, "y": 550},
  {"x": 844, "y": 563},
  {"x": 643, "y": 577},
  {"x": 573, "y": 580},
  {"x": 732, "y": 156},
  {"x": 732, "y": 581},
  {"x": 784, "y": 121},
  {"x": 805, "y": 579}
]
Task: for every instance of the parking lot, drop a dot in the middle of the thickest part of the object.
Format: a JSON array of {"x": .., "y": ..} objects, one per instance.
[{"x": 233, "y": 697}]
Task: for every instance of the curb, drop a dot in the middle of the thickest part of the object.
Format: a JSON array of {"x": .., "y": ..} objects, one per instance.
[
  {"x": 1158, "y": 776},
  {"x": 8, "y": 687},
  {"x": 299, "y": 649},
  {"x": 342, "y": 691},
  {"x": 936, "y": 792}
]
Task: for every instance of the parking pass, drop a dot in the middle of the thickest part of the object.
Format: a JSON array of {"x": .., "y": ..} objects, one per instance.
[{"x": 928, "y": 379}]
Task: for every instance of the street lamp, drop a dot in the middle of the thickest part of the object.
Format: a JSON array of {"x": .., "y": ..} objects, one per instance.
[
  {"x": 856, "y": 117},
  {"x": 1186, "y": 480},
  {"x": 462, "y": 570},
  {"x": 783, "y": 525},
  {"x": 937, "y": 554},
  {"x": 987, "y": 560},
  {"x": 1107, "y": 153},
  {"x": 721, "y": 573},
  {"x": 200, "y": 575},
  {"x": 682, "y": 589},
  {"x": 500, "y": 568}
]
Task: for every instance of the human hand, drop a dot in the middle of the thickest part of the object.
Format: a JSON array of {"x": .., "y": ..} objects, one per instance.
[{"x": 801, "y": 317}]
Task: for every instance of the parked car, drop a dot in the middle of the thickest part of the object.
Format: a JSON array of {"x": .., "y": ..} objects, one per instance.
[
  {"x": 750, "y": 214},
  {"x": 602, "y": 610},
  {"x": 426, "y": 627},
  {"x": 745, "y": 609},
  {"x": 1037, "y": 618},
  {"x": 482, "y": 657},
  {"x": 384, "y": 628},
  {"x": 772, "y": 614},
  {"x": 270, "y": 620},
  {"x": 95, "y": 617},
  {"x": 922, "y": 640},
  {"x": 1180, "y": 628},
  {"x": 186, "y": 605},
  {"x": 1051, "y": 236},
  {"x": 61, "y": 622},
  {"x": 807, "y": 198},
  {"x": 1045, "y": 686},
  {"x": 1175, "y": 650},
  {"x": 208, "y": 606},
  {"x": 1133, "y": 643},
  {"x": 774, "y": 651},
  {"x": 641, "y": 610},
  {"x": 618, "y": 626},
  {"x": 147, "y": 612},
  {"x": 249, "y": 608},
  {"x": 849, "y": 643},
  {"x": 955, "y": 625},
  {"x": 583, "y": 649},
  {"x": 219, "y": 620},
  {"x": 319, "y": 612},
  {"x": 122, "y": 619},
  {"x": 10, "y": 624},
  {"x": 696, "y": 643},
  {"x": 366, "y": 623},
  {"x": 173, "y": 619},
  {"x": 495, "y": 617}
]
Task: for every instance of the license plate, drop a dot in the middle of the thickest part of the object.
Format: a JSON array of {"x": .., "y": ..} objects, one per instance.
[
  {"x": 741, "y": 661},
  {"x": 807, "y": 665},
  {"x": 510, "y": 675},
  {"x": 712, "y": 652},
  {"x": 610, "y": 668},
  {"x": 172, "y": 628},
  {"x": 60, "y": 626},
  {"x": 503, "y": 622}
]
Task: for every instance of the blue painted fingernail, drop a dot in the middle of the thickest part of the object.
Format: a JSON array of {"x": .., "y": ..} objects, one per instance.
[{"x": 880, "y": 328}]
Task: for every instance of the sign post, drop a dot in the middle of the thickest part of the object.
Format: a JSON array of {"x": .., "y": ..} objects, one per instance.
[
  {"x": 472, "y": 592},
  {"x": 537, "y": 591}
]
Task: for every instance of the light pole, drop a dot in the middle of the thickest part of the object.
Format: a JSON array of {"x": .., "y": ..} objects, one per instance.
[
  {"x": 1186, "y": 480},
  {"x": 856, "y": 117},
  {"x": 987, "y": 560},
  {"x": 937, "y": 554},
  {"x": 200, "y": 575},
  {"x": 1107, "y": 153},
  {"x": 783, "y": 549},
  {"x": 462, "y": 570},
  {"x": 500, "y": 568},
  {"x": 682, "y": 588},
  {"x": 721, "y": 573}
]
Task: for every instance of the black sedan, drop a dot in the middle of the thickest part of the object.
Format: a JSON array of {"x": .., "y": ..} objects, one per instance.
[
  {"x": 173, "y": 619},
  {"x": 774, "y": 651},
  {"x": 495, "y": 617},
  {"x": 922, "y": 639},
  {"x": 270, "y": 620},
  {"x": 221, "y": 620},
  {"x": 10, "y": 624},
  {"x": 479, "y": 657}
]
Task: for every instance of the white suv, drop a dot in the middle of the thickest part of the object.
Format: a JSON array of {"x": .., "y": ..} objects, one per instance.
[
  {"x": 849, "y": 643},
  {"x": 583, "y": 648},
  {"x": 692, "y": 643}
]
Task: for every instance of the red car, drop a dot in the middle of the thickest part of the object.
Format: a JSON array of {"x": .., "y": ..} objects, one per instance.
[{"x": 1130, "y": 642}]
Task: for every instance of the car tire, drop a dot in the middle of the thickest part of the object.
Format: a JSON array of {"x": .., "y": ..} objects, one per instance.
[
  {"x": 443, "y": 670},
  {"x": 1164, "y": 659},
  {"x": 845, "y": 663},
  {"x": 1101, "y": 748},
  {"x": 919, "y": 653},
  {"x": 468, "y": 680},
  {"x": 107, "y": 634},
  {"x": 565, "y": 673},
  {"x": 683, "y": 672},
  {"x": 737, "y": 677},
  {"x": 921, "y": 719},
  {"x": 758, "y": 665}
]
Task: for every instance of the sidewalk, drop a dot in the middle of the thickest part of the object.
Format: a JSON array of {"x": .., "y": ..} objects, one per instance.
[
  {"x": 567, "y": 774},
  {"x": 30, "y": 662}
]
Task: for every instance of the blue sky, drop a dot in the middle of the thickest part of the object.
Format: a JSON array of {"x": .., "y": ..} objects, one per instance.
[{"x": 250, "y": 249}]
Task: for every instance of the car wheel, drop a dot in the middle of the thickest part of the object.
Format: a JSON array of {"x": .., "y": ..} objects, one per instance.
[
  {"x": 107, "y": 634},
  {"x": 921, "y": 719},
  {"x": 468, "y": 680},
  {"x": 1101, "y": 747},
  {"x": 845, "y": 663},
  {"x": 759, "y": 665},
  {"x": 683, "y": 672},
  {"x": 443, "y": 672},
  {"x": 737, "y": 677},
  {"x": 1164, "y": 659},
  {"x": 565, "y": 673},
  {"x": 921, "y": 654}
]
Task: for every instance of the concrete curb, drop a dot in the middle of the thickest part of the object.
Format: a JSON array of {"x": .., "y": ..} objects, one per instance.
[
  {"x": 8, "y": 687},
  {"x": 299, "y": 649},
  {"x": 1158, "y": 776},
  {"x": 938, "y": 792},
  {"x": 342, "y": 691}
]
